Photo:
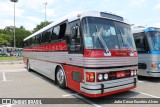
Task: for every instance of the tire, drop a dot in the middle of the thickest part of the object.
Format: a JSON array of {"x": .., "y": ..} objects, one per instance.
[
  {"x": 60, "y": 78},
  {"x": 28, "y": 66}
]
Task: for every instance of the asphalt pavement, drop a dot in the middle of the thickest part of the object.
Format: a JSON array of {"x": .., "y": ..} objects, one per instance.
[{"x": 17, "y": 82}]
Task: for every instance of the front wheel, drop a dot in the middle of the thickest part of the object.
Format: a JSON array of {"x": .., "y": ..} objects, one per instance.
[{"x": 60, "y": 77}]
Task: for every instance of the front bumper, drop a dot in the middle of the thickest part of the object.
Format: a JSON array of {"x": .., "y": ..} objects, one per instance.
[
  {"x": 108, "y": 86},
  {"x": 154, "y": 73}
]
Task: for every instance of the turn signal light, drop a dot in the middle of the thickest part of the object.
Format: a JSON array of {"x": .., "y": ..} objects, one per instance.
[
  {"x": 154, "y": 65},
  {"x": 90, "y": 76}
]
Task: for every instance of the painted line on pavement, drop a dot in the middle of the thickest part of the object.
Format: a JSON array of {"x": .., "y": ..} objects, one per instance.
[
  {"x": 14, "y": 70},
  {"x": 8, "y": 105},
  {"x": 67, "y": 95},
  {"x": 145, "y": 94},
  {"x": 4, "y": 77},
  {"x": 82, "y": 98}
]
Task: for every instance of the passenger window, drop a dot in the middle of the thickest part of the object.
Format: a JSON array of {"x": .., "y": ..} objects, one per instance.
[
  {"x": 62, "y": 31},
  {"x": 56, "y": 31}
]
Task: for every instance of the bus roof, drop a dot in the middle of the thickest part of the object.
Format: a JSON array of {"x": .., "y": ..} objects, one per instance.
[
  {"x": 138, "y": 29},
  {"x": 79, "y": 15},
  {"x": 152, "y": 29}
]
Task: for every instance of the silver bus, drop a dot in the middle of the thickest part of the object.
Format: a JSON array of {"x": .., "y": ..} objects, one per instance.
[{"x": 147, "y": 40}]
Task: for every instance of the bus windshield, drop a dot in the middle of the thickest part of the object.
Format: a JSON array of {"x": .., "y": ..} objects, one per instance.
[
  {"x": 100, "y": 33},
  {"x": 154, "y": 40}
]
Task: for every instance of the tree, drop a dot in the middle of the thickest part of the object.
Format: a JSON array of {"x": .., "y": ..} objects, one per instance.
[
  {"x": 5, "y": 39},
  {"x": 1, "y": 31},
  {"x": 41, "y": 25},
  {"x": 6, "y": 36},
  {"x": 8, "y": 30},
  {"x": 21, "y": 33}
]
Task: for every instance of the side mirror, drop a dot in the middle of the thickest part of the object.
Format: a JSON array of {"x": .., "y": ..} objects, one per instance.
[{"x": 73, "y": 32}]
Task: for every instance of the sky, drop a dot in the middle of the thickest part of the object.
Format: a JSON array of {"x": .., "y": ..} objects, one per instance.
[{"x": 29, "y": 13}]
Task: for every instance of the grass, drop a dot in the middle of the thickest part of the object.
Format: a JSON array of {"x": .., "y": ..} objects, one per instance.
[{"x": 8, "y": 58}]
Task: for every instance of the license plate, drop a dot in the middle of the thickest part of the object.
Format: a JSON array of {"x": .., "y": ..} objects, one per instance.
[{"x": 120, "y": 74}]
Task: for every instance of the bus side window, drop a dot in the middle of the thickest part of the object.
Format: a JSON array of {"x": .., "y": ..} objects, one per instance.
[
  {"x": 140, "y": 42},
  {"x": 35, "y": 40},
  {"x": 32, "y": 41},
  {"x": 43, "y": 39},
  {"x": 62, "y": 31},
  {"x": 55, "y": 33},
  {"x": 47, "y": 35},
  {"x": 38, "y": 39}
]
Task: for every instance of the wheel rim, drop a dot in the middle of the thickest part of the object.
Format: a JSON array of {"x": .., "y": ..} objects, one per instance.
[{"x": 60, "y": 76}]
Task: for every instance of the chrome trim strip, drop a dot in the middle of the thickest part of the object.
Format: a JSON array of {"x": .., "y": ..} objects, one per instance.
[
  {"x": 109, "y": 83},
  {"x": 79, "y": 60},
  {"x": 106, "y": 90},
  {"x": 112, "y": 69},
  {"x": 108, "y": 86}
]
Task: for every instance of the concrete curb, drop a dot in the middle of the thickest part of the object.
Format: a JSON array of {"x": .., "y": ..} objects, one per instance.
[{"x": 10, "y": 62}]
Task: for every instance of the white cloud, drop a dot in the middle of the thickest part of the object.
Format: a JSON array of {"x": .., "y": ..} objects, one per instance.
[
  {"x": 157, "y": 25},
  {"x": 8, "y": 10},
  {"x": 49, "y": 12},
  {"x": 35, "y": 4},
  {"x": 34, "y": 19},
  {"x": 137, "y": 2},
  {"x": 29, "y": 26},
  {"x": 23, "y": 9},
  {"x": 157, "y": 7},
  {"x": 7, "y": 22}
]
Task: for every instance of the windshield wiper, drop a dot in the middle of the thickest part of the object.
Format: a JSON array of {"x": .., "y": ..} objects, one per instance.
[
  {"x": 122, "y": 38},
  {"x": 124, "y": 44},
  {"x": 101, "y": 40}
]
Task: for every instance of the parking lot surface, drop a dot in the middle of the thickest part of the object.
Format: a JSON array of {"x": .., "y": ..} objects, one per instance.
[{"x": 17, "y": 82}]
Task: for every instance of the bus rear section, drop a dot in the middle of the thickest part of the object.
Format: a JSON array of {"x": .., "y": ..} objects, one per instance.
[
  {"x": 96, "y": 57},
  {"x": 147, "y": 40}
]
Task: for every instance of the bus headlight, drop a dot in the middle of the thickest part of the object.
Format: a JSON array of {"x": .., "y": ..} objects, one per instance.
[
  {"x": 132, "y": 73},
  {"x": 105, "y": 76},
  {"x": 135, "y": 72},
  {"x": 100, "y": 77}
]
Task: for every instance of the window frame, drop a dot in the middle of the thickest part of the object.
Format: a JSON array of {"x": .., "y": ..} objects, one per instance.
[{"x": 68, "y": 34}]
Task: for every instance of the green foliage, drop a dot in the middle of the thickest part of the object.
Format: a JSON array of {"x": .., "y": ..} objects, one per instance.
[
  {"x": 7, "y": 35},
  {"x": 5, "y": 39},
  {"x": 21, "y": 33},
  {"x": 9, "y": 58},
  {"x": 41, "y": 25},
  {"x": 4, "y": 42}
]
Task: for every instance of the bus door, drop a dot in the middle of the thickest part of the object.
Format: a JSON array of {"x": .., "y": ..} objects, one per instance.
[{"x": 75, "y": 51}]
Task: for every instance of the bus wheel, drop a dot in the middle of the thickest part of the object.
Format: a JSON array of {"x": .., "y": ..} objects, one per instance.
[
  {"x": 60, "y": 77},
  {"x": 28, "y": 66}
]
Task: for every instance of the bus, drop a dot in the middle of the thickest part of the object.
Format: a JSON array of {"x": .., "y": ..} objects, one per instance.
[
  {"x": 147, "y": 40},
  {"x": 90, "y": 52}
]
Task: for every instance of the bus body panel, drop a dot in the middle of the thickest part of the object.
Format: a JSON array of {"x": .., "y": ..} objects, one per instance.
[
  {"x": 74, "y": 76},
  {"x": 148, "y": 60},
  {"x": 149, "y": 56}
]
